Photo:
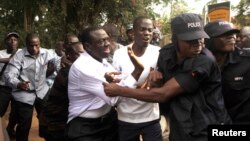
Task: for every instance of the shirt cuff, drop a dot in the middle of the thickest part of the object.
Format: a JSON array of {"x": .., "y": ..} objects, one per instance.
[{"x": 129, "y": 82}]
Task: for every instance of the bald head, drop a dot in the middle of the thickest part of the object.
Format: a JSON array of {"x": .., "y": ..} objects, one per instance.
[
  {"x": 245, "y": 30},
  {"x": 245, "y": 37}
]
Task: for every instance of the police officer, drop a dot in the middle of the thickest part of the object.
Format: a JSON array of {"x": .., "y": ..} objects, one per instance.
[
  {"x": 235, "y": 67},
  {"x": 192, "y": 86}
]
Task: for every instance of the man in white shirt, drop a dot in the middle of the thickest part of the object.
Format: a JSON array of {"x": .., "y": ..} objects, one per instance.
[
  {"x": 137, "y": 117},
  {"x": 26, "y": 75},
  {"x": 91, "y": 116},
  {"x": 11, "y": 44}
]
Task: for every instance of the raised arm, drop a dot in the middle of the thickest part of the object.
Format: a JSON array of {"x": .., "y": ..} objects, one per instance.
[{"x": 111, "y": 76}]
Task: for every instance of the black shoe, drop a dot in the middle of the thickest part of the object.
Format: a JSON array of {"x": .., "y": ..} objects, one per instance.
[{"x": 11, "y": 133}]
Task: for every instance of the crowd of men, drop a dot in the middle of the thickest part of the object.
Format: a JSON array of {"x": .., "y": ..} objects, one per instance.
[{"x": 102, "y": 90}]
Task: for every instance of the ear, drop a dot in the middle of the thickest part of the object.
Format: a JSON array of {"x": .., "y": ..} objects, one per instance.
[{"x": 86, "y": 46}]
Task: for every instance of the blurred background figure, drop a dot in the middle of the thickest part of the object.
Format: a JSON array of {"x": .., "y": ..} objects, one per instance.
[
  {"x": 130, "y": 34},
  {"x": 59, "y": 49},
  {"x": 11, "y": 47},
  {"x": 156, "y": 37},
  {"x": 243, "y": 38},
  {"x": 51, "y": 73},
  {"x": 129, "y": 39},
  {"x": 55, "y": 114},
  {"x": 113, "y": 33}
]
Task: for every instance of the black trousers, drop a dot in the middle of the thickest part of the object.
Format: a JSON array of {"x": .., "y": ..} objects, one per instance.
[
  {"x": 24, "y": 118},
  {"x": 98, "y": 129},
  {"x": 5, "y": 99},
  {"x": 150, "y": 131}
]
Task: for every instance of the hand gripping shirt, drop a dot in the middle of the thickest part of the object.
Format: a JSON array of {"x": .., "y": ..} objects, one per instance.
[{"x": 85, "y": 88}]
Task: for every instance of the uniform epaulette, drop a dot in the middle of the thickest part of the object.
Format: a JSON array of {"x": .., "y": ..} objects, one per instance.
[{"x": 244, "y": 52}]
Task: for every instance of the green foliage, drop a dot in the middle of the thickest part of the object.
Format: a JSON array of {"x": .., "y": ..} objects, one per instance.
[
  {"x": 176, "y": 7},
  {"x": 58, "y": 17},
  {"x": 243, "y": 16}
]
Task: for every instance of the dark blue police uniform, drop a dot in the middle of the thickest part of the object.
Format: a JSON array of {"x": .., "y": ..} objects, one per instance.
[
  {"x": 236, "y": 85},
  {"x": 202, "y": 103}
]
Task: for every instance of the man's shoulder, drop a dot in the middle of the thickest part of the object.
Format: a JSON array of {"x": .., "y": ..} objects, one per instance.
[
  {"x": 168, "y": 47},
  {"x": 121, "y": 50},
  {"x": 154, "y": 48},
  {"x": 243, "y": 52},
  {"x": 3, "y": 53},
  {"x": 168, "y": 50},
  {"x": 3, "y": 50},
  {"x": 21, "y": 52},
  {"x": 45, "y": 50}
]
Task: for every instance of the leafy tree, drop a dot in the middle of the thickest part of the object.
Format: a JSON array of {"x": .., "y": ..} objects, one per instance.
[
  {"x": 176, "y": 7},
  {"x": 55, "y": 18},
  {"x": 242, "y": 18},
  {"x": 18, "y": 15}
]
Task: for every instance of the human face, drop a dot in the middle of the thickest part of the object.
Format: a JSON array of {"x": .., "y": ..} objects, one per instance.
[
  {"x": 78, "y": 49},
  {"x": 225, "y": 43},
  {"x": 33, "y": 46},
  {"x": 130, "y": 35},
  {"x": 156, "y": 36},
  {"x": 190, "y": 48},
  {"x": 245, "y": 40},
  {"x": 12, "y": 42},
  {"x": 70, "y": 40},
  {"x": 99, "y": 47},
  {"x": 238, "y": 40},
  {"x": 60, "y": 49},
  {"x": 143, "y": 33}
]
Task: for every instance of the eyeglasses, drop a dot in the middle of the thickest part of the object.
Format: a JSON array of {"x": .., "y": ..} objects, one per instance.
[{"x": 103, "y": 41}]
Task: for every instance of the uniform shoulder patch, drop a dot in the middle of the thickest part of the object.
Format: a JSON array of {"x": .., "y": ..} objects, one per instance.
[{"x": 244, "y": 52}]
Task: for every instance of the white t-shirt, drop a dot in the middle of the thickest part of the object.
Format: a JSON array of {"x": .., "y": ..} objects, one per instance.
[{"x": 129, "y": 109}]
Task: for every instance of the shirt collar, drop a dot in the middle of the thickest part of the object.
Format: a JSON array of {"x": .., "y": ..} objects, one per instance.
[
  {"x": 104, "y": 60},
  {"x": 26, "y": 53},
  {"x": 231, "y": 58}
]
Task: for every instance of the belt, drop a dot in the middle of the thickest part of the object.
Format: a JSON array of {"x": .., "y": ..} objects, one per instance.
[
  {"x": 31, "y": 91},
  {"x": 101, "y": 119},
  {"x": 95, "y": 113}
]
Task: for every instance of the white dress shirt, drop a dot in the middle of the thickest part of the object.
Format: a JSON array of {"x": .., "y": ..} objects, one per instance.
[
  {"x": 85, "y": 89},
  {"x": 129, "y": 109}
]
